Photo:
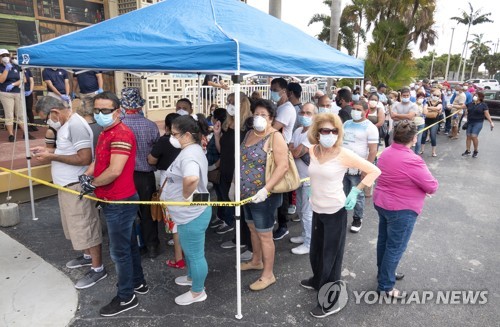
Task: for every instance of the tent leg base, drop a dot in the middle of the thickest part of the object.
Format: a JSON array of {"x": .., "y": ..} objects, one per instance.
[{"x": 239, "y": 317}]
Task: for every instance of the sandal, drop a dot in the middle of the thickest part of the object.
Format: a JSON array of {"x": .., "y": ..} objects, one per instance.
[
  {"x": 394, "y": 293},
  {"x": 434, "y": 155},
  {"x": 181, "y": 264}
]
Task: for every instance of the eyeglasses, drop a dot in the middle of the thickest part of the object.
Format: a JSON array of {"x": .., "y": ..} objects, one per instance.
[
  {"x": 261, "y": 115},
  {"x": 105, "y": 111},
  {"x": 326, "y": 131},
  {"x": 174, "y": 134}
]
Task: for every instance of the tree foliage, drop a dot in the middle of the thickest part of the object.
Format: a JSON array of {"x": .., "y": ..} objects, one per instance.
[{"x": 492, "y": 63}]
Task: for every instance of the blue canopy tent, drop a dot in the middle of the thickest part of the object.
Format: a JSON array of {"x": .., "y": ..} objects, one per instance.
[{"x": 196, "y": 36}]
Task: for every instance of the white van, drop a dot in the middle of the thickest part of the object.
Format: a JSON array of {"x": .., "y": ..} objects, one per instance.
[{"x": 487, "y": 84}]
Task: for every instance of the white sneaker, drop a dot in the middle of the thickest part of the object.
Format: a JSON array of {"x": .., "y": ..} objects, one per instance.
[
  {"x": 246, "y": 256},
  {"x": 292, "y": 209},
  {"x": 297, "y": 240},
  {"x": 301, "y": 249},
  {"x": 187, "y": 298},
  {"x": 183, "y": 281}
]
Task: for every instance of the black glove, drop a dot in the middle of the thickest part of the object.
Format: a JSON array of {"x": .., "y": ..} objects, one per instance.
[{"x": 86, "y": 184}]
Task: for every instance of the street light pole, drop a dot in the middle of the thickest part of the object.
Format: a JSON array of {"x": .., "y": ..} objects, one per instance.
[
  {"x": 432, "y": 64},
  {"x": 449, "y": 54}
]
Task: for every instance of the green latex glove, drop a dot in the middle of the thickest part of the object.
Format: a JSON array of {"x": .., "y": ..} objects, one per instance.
[{"x": 351, "y": 199}]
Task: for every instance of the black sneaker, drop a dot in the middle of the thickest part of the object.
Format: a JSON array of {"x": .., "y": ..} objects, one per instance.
[
  {"x": 117, "y": 306},
  {"x": 474, "y": 154},
  {"x": 306, "y": 283},
  {"x": 318, "y": 312},
  {"x": 142, "y": 289},
  {"x": 356, "y": 225},
  {"x": 216, "y": 222},
  {"x": 280, "y": 233},
  {"x": 11, "y": 138},
  {"x": 466, "y": 153},
  {"x": 224, "y": 228}
]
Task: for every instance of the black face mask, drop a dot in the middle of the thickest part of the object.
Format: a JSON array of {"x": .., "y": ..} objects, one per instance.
[{"x": 337, "y": 101}]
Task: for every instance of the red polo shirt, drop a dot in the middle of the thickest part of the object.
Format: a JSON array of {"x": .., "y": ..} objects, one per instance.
[{"x": 118, "y": 139}]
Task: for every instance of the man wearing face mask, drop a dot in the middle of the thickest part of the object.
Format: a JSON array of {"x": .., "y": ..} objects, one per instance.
[
  {"x": 10, "y": 95},
  {"x": 71, "y": 158},
  {"x": 57, "y": 83},
  {"x": 343, "y": 100},
  {"x": 284, "y": 122},
  {"x": 468, "y": 100},
  {"x": 404, "y": 110},
  {"x": 457, "y": 106},
  {"x": 448, "y": 97},
  {"x": 361, "y": 136},
  {"x": 146, "y": 134},
  {"x": 294, "y": 92},
  {"x": 325, "y": 105},
  {"x": 184, "y": 107},
  {"x": 382, "y": 88},
  {"x": 111, "y": 177}
]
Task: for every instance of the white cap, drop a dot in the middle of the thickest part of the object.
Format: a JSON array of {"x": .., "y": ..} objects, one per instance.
[
  {"x": 4, "y": 51},
  {"x": 412, "y": 85}
]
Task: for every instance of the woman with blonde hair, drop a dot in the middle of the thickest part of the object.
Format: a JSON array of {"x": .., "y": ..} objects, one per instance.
[{"x": 329, "y": 161}]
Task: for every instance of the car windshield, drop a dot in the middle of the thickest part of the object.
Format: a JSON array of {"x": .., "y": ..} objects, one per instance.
[{"x": 489, "y": 95}]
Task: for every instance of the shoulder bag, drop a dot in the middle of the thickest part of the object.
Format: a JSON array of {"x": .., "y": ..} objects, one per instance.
[
  {"x": 291, "y": 180},
  {"x": 157, "y": 211}
]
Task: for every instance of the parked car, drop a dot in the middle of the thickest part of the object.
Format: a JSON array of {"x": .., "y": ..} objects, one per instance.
[
  {"x": 492, "y": 99},
  {"x": 487, "y": 84}
]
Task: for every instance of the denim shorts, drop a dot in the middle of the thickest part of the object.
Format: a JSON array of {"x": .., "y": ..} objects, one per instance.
[
  {"x": 262, "y": 214},
  {"x": 473, "y": 128}
]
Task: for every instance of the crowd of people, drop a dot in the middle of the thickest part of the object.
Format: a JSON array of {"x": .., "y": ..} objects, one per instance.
[{"x": 107, "y": 147}]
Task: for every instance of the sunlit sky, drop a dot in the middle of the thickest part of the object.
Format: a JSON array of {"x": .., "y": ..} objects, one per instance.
[{"x": 299, "y": 12}]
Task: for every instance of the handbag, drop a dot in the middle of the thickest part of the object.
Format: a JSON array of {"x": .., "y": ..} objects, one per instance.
[
  {"x": 157, "y": 212},
  {"x": 382, "y": 131},
  {"x": 464, "y": 126},
  {"x": 431, "y": 114},
  {"x": 291, "y": 180}
]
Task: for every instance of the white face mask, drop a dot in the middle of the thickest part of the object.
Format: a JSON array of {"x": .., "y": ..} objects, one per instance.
[
  {"x": 328, "y": 140},
  {"x": 15, "y": 62},
  {"x": 405, "y": 100},
  {"x": 175, "y": 142},
  {"x": 356, "y": 115},
  {"x": 182, "y": 112},
  {"x": 355, "y": 97},
  {"x": 259, "y": 123},
  {"x": 322, "y": 110},
  {"x": 54, "y": 124},
  {"x": 474, "y": 98},
  {"x": 231, "y": 109},
  {"x": 373, "y": 103},
  {"x": 5, "y": 60}
]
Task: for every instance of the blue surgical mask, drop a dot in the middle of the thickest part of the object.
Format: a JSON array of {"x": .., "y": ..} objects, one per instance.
[
  {"x": 275, "y": 96},
  {"x": 405, "y": 100},
  {"x": 322, "y": 110},
  {"x": 356, "y": 115},
  {"x": 104, "y": 120},
  {"x": 355, "y": 97},
  {"x": 305, "y": 121}
]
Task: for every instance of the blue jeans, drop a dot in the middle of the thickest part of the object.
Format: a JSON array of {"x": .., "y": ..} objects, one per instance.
[
  {"x": 433, "y": 132},
  {"x": 394, "y": 232},
  {"x": 123, "y": 248},
  {"x": 474, "y": 128},
  {"x": 419, "y": 138},
  {"x": 349, "y": 182},
  {"x": 192, "y": 238},
  {"x": 262, "y": 214}
]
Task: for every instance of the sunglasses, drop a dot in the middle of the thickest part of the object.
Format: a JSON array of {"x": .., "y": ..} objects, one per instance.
[
  {"x": 326, "y": 131},
  {"x": 105, "y": 111}
]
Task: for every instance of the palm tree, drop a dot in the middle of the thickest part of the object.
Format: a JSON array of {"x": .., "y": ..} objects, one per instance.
[
  {"x": 353, "y": 14},
  {"x": 474, "y": 18},
  {"x": 335, "y": 23},
  {"x": 479, "y": 50}
]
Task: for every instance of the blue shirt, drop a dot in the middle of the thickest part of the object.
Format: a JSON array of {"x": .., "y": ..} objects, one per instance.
[
  {"x": 27, "y": 85},
  {"x": 468, "y": 97},
  {"x": 87, "y": 81},
  {"x": 57, "y": 78},
  {"x": 12, "y": 77},
  {"x": 146, "y": 134}
]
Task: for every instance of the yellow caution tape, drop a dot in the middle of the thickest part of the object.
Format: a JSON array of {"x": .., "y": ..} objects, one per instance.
[{"x": 21, "y": 122}]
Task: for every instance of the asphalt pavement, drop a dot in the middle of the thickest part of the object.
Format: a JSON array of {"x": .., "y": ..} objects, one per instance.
[{"x": 454, "y": 247}]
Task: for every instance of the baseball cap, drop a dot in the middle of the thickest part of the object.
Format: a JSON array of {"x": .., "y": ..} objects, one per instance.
[{"x": 4, "y": 51}]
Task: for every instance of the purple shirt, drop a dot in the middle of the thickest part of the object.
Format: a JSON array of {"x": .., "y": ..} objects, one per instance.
[
  {"x": 405, "y": 180},
  {"x": 147, "y": 134}
]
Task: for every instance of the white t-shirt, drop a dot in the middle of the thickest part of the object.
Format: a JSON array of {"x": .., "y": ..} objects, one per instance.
[
  {"x": 357, "y": 136},
  {"x": 287, "y": 115},
  {"x": 191, "y": 161},
  {"x": 299, "y": 138},
  {"x": 73, "y": 136}
]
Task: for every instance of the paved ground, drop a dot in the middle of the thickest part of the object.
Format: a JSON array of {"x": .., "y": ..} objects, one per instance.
[{"x": 454, "y": 247}]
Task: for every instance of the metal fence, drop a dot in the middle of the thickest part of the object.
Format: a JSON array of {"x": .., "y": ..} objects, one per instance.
[{"x": 202, "y": 97}]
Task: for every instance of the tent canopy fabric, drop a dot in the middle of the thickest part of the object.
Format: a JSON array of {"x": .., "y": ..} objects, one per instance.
[{"x": 194, "y": 36}]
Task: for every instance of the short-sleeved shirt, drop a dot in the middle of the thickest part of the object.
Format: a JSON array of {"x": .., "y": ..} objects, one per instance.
[
  {"x": 357, "y": 137},
  {"x": 87, "y": 81},
  {"x": 165, "y": 152},
  {"x": 118, "y": 139},
  {"x": 300, "y": 137},
  {"x": 57, "y": 77},
  {"x": 73, "y": 136},
  {"x": 96, "y": 129},
  {"x": 146, "y": 134},
  {"x": 287, "y": 115},
  {"x": 191, "y": 161},
  {"x": 28, "y": 75},
  {"x": 12, "y": 77},
  {"x": 211, "y": 78},
  {"x": 475, "y": 112},
  {"x": 345, "y": 113}
]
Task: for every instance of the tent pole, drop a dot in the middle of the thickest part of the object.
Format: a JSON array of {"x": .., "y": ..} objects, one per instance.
[
  {"x": 27, "y": 143},
  {"x": 237, "y": 195},
  {"x": 199, "y": 93}
]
